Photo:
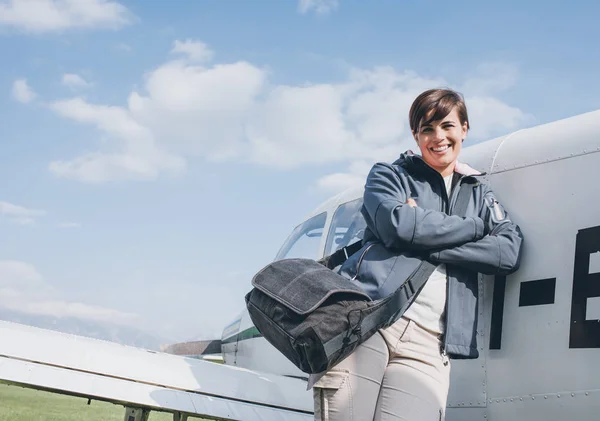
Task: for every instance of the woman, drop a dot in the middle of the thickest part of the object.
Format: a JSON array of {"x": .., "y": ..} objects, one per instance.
[{"x": 403, "y": 371}]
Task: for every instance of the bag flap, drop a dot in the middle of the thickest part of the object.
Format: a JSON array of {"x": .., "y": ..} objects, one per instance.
[{"x": 302, "y": 284}]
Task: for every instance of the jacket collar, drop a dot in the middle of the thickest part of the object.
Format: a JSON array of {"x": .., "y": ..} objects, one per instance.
[{"x": 460, "y": 168}]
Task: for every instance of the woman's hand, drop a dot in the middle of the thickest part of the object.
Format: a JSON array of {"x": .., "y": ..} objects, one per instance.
[{"x": 411, "y": 202}]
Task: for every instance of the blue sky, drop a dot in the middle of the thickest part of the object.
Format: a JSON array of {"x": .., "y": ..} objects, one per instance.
[{"x": 154, "y": 155}]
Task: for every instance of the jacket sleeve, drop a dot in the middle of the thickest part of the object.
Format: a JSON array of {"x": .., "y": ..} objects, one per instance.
[
  {"x": 499, "y": 252},
  {"x": 401, "y": 226}
]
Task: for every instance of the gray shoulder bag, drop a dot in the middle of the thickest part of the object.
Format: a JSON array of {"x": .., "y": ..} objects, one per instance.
[{"x": 315, "y": 316}]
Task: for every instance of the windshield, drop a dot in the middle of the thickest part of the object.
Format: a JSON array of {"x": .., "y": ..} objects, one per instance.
[
  {"x": 348, "y": 226},
  {"x": 304, "y": 241}
]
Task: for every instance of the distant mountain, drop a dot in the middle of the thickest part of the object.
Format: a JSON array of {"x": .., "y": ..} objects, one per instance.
[{"x": 106, "y": 331}]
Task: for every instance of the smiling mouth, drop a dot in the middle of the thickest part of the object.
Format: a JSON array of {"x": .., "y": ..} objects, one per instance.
[{"x": 440, "y": 149}]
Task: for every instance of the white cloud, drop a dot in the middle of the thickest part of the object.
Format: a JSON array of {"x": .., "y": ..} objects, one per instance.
[
  {"x": 380, "y": 115},
  {"x": 139, "y": 158},
  {"x": 20, "y": 214},
  {"x": 190, "y": 109},
  {"x": 199, "y": 110},
  {"x": 361, "y": 118},
  {"x": 38, "y": 16},
  {"x": 196, "y": 51},
  {"x": 24, "y": 221},
  {"x": 69, "y": 225},
  {"x": 300, "y": 125},
  {"x": 22, "y": 92},
  {"x": 23, "y": 289},
  {"x": 59, "y": 308},
  {"x": 229, "y": 111},
  {"x": 74, "y": 81},
  {"x": 489, "y": 117},
  {"x": 337, "y": 182},
  {"x": 14, "y": 272},
  {"x": 320, "y": 7}
]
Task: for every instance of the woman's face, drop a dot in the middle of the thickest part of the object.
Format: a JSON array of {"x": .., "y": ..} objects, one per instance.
[{"x": 441, "y": 142}]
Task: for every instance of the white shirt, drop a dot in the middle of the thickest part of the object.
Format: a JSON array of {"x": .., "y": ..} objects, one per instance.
[{"x": 428, "y": 308}]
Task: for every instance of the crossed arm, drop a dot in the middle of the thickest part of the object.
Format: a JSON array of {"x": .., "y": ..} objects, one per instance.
[
  {"x": 499, "y": 252},
  {"x": 400, "y": 223}
]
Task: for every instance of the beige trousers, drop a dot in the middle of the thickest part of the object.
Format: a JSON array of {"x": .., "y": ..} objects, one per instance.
[{"x": 397, "y": 374}]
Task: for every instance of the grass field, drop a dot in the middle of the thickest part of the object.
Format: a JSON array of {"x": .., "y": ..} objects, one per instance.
[{"x": 19, "y": 404}]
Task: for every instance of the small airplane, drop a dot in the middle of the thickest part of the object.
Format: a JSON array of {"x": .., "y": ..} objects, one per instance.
[{"x": 539, "y": 328}]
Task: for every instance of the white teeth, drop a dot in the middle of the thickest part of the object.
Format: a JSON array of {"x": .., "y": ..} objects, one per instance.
[{"x": 441, "y": 148}]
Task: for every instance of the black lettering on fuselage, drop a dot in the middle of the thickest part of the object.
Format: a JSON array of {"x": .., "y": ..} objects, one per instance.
[
  {"x": 497, "y": 312},
  {"x": 584, "y": 333},
  {"x": 537, "y": 293}
]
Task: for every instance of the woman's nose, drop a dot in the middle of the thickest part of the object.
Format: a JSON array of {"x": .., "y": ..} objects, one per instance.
[{"x": 439, "y": 134}]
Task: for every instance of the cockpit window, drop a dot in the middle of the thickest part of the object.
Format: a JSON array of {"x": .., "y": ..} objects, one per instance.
[
  {"x": 348, "y": 226},
  {"x": 304, "y": 241}
]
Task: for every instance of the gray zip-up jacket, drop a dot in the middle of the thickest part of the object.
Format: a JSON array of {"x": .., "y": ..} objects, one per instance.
[{"x": 484, "y": 241}]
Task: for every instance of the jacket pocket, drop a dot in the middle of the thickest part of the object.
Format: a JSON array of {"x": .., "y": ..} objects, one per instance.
[
  {"x": 333, "y": 379},
  {"x": 331, "y": 393}
]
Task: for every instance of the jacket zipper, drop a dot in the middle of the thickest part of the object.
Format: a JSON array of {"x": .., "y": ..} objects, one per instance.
[
  {"x": 360, "y": 259},
  {"x": 447, "y": 306},
  {"x": 449, "y": 208},
  {"x": 446, "y": 209}
]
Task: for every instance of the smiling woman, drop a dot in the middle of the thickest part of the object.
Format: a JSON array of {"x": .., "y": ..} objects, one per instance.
[{"x": 416, "y": 207}]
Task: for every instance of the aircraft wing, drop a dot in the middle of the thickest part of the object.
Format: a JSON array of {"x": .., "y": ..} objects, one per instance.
[{"x": 138, "y": 378}]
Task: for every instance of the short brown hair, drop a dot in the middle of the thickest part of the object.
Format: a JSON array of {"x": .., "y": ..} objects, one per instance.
[{"x": 441, "y": 102}]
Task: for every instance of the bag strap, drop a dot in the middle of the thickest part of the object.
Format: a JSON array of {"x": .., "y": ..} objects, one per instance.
[
  {"x": 413, "y": 286},
  {"x": 393, "y": 306},
  {"x": 341, "y": 255}
]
